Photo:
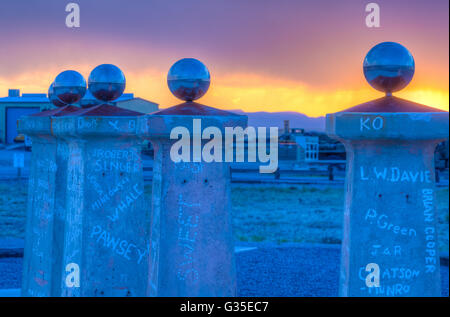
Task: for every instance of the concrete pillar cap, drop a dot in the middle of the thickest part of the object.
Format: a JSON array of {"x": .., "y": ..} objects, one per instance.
[
  {"x": 40, "y": 123},
  {"x": 388, "y": 118},
  {"x": 106, "y": 110},
  {"x": 56, "y": 112},
  {"x": 391, "y": 104},
  {"x": 102, "y": 120},
  {"x": 159, "y": 124}
]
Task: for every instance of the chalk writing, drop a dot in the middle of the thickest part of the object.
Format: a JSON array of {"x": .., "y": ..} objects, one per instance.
[
  {"x": 63, "y": 125},
  {"x": 86, "y": 123},
  {"x": 395, "y": 174},
  {"x": 386, "y": 251},
  {"x": 400, "y": 273},
  {"x": 36, "y": 293},
  {"x": 116, "y": 160},
  {"x": 108, "y": 166},
  {"x": 120, "y": 246},
  {"x": 115, "y": 154},
  {"x": 155, "y": 252},
  {"x": 187, "y": 232},
  {"x": 31, "y": 124},
  {"x": 192, "y": 167},
  {"x": 132, "y": 125},
  {"x": 370, "y": 123},
  {"x": 431, "y": 254},
  {"x": 397, "y": 289},
  {"x": 126, "y": 202},
  {"x": 93, "y": 181},
  {"x": 99, "y": 203},
  {"x": 427, "y": 199},
  {"x": 430, "y": 250},
  {"x": 382, "y": 222},
  {"x": 114, "y": 124}
]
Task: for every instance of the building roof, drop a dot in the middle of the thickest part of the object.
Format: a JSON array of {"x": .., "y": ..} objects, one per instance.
[
  {"x": 35, "y": 98},
  {"x": 42, "y": 98},
  {"x": 136, "y": 98}
]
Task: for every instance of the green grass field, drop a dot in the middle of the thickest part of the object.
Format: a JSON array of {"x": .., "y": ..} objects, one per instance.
[
  {"x": 303, "y": 214},
  {"x": 261, "y": 213}
]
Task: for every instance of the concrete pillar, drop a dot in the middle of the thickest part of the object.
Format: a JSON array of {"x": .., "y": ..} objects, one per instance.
[
  {"x": 45, "y": 209},
  {"x": 192, "y": 252},
  {"x": 106, "y": 223},
  {"x": 390, "y": 208},
  {"x": 389, "y": 245}
]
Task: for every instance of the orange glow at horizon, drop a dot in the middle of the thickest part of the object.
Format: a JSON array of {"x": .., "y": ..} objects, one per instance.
[{"x": 249, "y": 92}]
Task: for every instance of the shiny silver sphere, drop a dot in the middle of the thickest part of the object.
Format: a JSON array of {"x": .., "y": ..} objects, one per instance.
[
  {"x": 188, "y": 79},
  {"x": 389, "y": 67},
  {"x": 69, "y": 86},
  {"x": 53, "y": 99},
  {"x": 107, "y": 82}
]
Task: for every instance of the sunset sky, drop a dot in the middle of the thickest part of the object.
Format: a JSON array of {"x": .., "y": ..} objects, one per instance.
[{"x": 263, "y": 55}]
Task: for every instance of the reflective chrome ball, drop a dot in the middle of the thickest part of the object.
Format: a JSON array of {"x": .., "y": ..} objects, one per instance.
[
  {"x": 389, "y": 67},
  {"x": 107, "y": 82},
  {"x": 69, "y": 86},
  {"x": 53, "y": 99},
  {"x": 188, "y": 79}
]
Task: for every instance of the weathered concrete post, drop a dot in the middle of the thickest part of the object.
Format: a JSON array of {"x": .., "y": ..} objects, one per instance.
[
  {"x": 45, "y": 210},
  {"x": 106, "y": 225},
  {"x": 192, "y": 252},
  {"x": 390, "y": 210}
]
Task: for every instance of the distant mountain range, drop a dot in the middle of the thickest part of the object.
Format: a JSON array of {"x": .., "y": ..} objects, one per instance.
[{"x": 276, "y": 119}]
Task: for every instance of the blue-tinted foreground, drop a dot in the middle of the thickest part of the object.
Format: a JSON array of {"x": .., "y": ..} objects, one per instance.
[{"x": 269, "y": 270}]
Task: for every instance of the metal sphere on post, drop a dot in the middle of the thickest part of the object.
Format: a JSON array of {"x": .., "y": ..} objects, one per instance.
[
  {"x": 107, "y": 82},
  {"x": 105, "y": 193},
  {"x": 45, "y": 224},
  {"x": 53, "y": 98},
  {"x": 188, "y": 79},
  {"x": 69, "y": 86},
  {"x": 389, "y": 67},
  {"x": 192, "y": 251},
  {"x": 389, "y": 245}
]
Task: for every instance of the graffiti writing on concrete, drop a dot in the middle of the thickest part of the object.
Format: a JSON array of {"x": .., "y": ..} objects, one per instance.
[
  {"x": 120, "y": 246},
  {"x": 116, "y": 160},
  {"x": 431, "y": 254},
  {"x": 394, "y": 175},
  {"x": 110, "y": 194},
  {"x": 382, "y": 222},
  {"x": 127, "y": 201},
  {"x": 187, "y": 233},
  {"x": 378, "y": 249},
  {"x": 371, "y": 123}
]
